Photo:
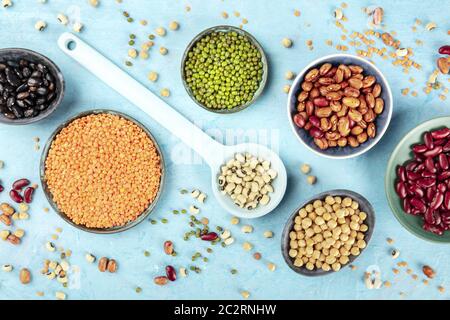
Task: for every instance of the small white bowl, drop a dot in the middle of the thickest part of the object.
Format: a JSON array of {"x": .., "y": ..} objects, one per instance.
[{"x": 382, "y": 121}]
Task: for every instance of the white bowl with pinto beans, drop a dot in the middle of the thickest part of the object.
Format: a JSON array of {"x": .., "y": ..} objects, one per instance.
[{"x": 340, "y": 106}]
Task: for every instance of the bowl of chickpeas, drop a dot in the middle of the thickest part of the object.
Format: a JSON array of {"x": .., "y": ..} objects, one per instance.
[{"x": 327, "y": 232}]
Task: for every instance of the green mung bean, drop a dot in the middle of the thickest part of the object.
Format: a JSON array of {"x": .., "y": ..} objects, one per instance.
[{"x": 223, "y": 70}]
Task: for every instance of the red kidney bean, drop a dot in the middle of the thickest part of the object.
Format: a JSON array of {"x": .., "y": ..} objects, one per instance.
[
  {"x": 15, "y": 196},
  {"x": 430, "y": 193},
  {"x": 316, "y": 132},
  {"x": 440, "y": 142},
  {"x": 171, "y": 273},
  {"x": 419, "y": 148},
  {"x": 299, "y": 120},
  {"x": 428, "y": 174},
  {"x": 441, "y": 133},
  {"x": 410, "y": 175},
  {"x": 401, "y": 173},
  {"x": 209, "y": 236},
  {"x": 443, "y": 161},
  {"x": 1, "y": 188},
  {"x": 420, "y": 167},
  {"x": 442, "y": 187},
  {"x": 416, "y": 190},
  {"x": 443, "y": 175},
  {"x": 418, "y": 204},
  {"x": 321, "y": 102},
  {"x": 28, "y": 194},
  {"x": 429, "y": 217},
  {"x": 410, "y": 166},
  {"x": 426, "y": 182},
  {"x": 401, "y": 189},
  {"x": 446, "y": 147},
  {"x": 434, "y": 229},
  {"x": 446, "y": 218},
  {"x": 428, "y": 139},
  {"x": 444, "y": 50},
  {"x": 447, "y": 200},
  {"x": 407, "y": 206},
  {"x": 437, "y": 201},
  {"x": 429, "y": 164},
  {"x": 433, "y": 152},
  {"x": 20, "y": 184}
]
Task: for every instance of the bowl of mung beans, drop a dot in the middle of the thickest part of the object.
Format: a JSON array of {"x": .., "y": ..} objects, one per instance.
[
  {"x": 327, "y": 232},
  {"x": 102, "y": 171},
  {"x": 224, "y": 69}
]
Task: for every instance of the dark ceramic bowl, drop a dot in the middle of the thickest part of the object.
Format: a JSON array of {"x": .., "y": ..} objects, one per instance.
[
  {"x": 16, "y": 54},
  {"x": 364, "y": 205},
  {"x": 48, "y": 194},
  {"x": 382, "y": 121},
  {"x": 262, "y": 84}
]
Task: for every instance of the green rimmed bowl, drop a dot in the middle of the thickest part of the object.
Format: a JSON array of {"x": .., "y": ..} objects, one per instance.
[{"x": 399, "y": 156}]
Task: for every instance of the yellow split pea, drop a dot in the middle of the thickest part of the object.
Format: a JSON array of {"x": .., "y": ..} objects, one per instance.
[{"x": 103, "y": 171}]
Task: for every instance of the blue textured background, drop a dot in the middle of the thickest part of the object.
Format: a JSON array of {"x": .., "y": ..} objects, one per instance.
[{"x": 269, "y": 22}]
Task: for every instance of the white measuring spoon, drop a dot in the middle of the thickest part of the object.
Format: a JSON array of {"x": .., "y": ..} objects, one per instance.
[{"x": 214, "y": 153}]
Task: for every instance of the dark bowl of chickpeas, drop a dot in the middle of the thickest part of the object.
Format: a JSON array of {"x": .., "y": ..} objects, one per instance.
[{"x": 327, "y": 232}]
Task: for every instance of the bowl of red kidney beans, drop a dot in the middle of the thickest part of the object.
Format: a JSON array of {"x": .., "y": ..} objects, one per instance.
[{"x": 418, "y": 180}]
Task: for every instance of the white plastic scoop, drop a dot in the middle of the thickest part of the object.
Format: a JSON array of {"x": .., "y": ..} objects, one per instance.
[{"x": 214, "y": 153}]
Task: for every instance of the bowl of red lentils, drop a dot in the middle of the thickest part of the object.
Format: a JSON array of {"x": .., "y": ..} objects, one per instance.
[{"x": 102, "y": 171}]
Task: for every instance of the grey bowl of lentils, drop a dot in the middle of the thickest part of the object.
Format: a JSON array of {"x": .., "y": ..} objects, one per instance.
[
  {"x": 333, "y": 241},
  {"x": 31, "y": 86},
  {"x": 224, "y": 69}
]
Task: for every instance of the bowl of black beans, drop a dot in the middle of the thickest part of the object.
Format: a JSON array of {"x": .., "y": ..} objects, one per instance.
[{"x": 31, "y": 86}]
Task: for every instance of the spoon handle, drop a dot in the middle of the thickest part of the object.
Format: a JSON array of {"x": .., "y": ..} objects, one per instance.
[{"x": 135, "y": 92}]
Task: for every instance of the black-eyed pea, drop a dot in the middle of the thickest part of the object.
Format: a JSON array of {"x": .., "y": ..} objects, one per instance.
[
  {"x": 309, "y": 208},
  {"x": 302, "y": 213},
  {"x": 361, "y": 244},
  {"x": 355, "y": 251},
  {"x": 363, "y": 228},
  {"x": 329, "y": 200},
  {"x": 293, "y": 253}
]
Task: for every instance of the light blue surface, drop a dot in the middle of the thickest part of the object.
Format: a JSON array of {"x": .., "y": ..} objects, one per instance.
[{"x": 269, "y": 22}]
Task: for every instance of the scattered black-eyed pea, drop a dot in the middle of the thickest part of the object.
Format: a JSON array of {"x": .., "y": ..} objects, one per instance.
[
  {"x": 247, "y": 229},
  {"x": 225, "y": 234},
  {"x": 311, "y": 179},
  {"x": 7, "y": 3},
  {"x": 268, "y": 234},
  {"x": 395, "y": 253},
  {"x": 19, "y": 233},
  {"x": 229, "y": 241},
  {"x": 90, "y": 258},
  {"x": 77, "y": 27},
  {"x": 183, "y": 272},
  {"x": 62, "y": 18},
  {"x": 7, "y": 268},
  {"x": 193, "y": 209},
  {"x": 201, "y": 198},
  {"x": 245, "y": 294},
  {"x": 50, "y": 246},
  {"x": 40, "y": 25}
]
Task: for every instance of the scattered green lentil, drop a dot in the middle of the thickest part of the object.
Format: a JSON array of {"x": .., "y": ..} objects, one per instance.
[
  {"x": 128, "y": 63},
  {"x": 151, "y": 36},
  {"x": 223, "y": 70},
  {"x": 233, "y": 271},
  {"x": 138, "y": 289},
  {"x": 146, "y": 253},
  {"x": 183, "y": 191},
  {"x": 153, "y": 221},
  {"x": 164, "y": 220},
  {"x": 131, "y": 42}
]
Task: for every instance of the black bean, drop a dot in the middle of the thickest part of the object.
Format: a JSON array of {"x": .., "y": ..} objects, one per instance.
[
  {"x": 36, "y": 74},
  {"x": 49, "y": 77},
  {"x": 17, "y": 112},
  {"x": 21, "y": 104},
  {"x": 41, "y": 101},
  {"x": 22, "y": 88},
  {"x": 26, "y": 72},
  {"x": 33, "y": 82},
  {"x": 33, "y": 89},
  {"x": 41, "y": 67},
  {"x": 13, "y": 64},
  {"x": 51, "y": 96},
  {"x": 28, "y": 113},
  {"x": 1, "y": 88},
  {"x": 42, "y": 91},
  {"x": 51, "y": 86},
  {"x": 41, "y": 107},
  {"x": 23, "y": 95},
  {"x": 12, "y": 77},
  {"x": 2, "y": 66},
  {"x": 10, "y": 102},
  {"x": 2, "y": 77},
  {"x": 28, "y": 102},
  {"x": 9, "y": 115}
]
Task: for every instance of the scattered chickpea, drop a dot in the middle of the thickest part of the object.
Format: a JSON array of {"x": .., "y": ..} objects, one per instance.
[
  {"x": 268, "y": 234},
  {"x": 286, "y": 88},
  {"x": 165, "y": 92},
  {"x": 40, "y": 25},
  {"x": 441, "y": 289},
  {"x": 271, "y": 267},
  {"x": 153, "y": 76},
  {"x": 94, "y": 3},
  {"x": 311, "y": 179},
  {"x": 247, "y": 229},
  {"x": 305, "y": 168},
  {"x": 245, "y": 294},
  {"x": 247, "y": 246},
  {"x": 297, "y": 13},
  {"x": 235, "y": 220},
  {"x": 60, "y": 295},
  {"x": 387, "y": 284},
  {"x": 132, "y": 53},
  {"x": 289, "y": 75},
  {"x": 286, "y": 42},
  {"x": 224, "y": 15},
  {"x": 160, "y": 31},
  {"x": 163, "y": 51},
  {"x": 174, "y": 25}
]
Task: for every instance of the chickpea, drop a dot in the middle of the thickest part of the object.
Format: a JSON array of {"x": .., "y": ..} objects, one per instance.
[
  {"x": 319, "y": 221},
  {"x": 338, "y": 200},
  {"x": 300, "y": 235},
  {"x": 347, "y": 202},
  {"x": 361, "y": 244},
  {"x": 363, "y": 215},
  {"x": 336, "y": 266},
  {"x": 317, "y": 229},
  {"x": 293, "y": 244},
  {"x": 293, "y": 235},
  {"x": 326, "y": 267},
  {"x": 363, "y": 228},
  {"x": 309, "y": 232},
  {"x": 306, "y": 223},
  {"x": 318, "y": 264},
  {"x": 301, "y": 243},
  {"x": 329, "y": 200},
  {"x": 317, "y": 204},
  {"x": 328, "y": 208},
  {"x": 309, "y": 208},
  {"x": 355, "y": 251},
  {"x": 297, "y": 227},
  {"x": 355, "y": 205},
  {"x": 298, "y": 220},
  {"x": 303, "y": 213},
  {"x": 344, "y": 260},
  {"x": 298, "y": 262},
  {"x": 293, "y": 253}
]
